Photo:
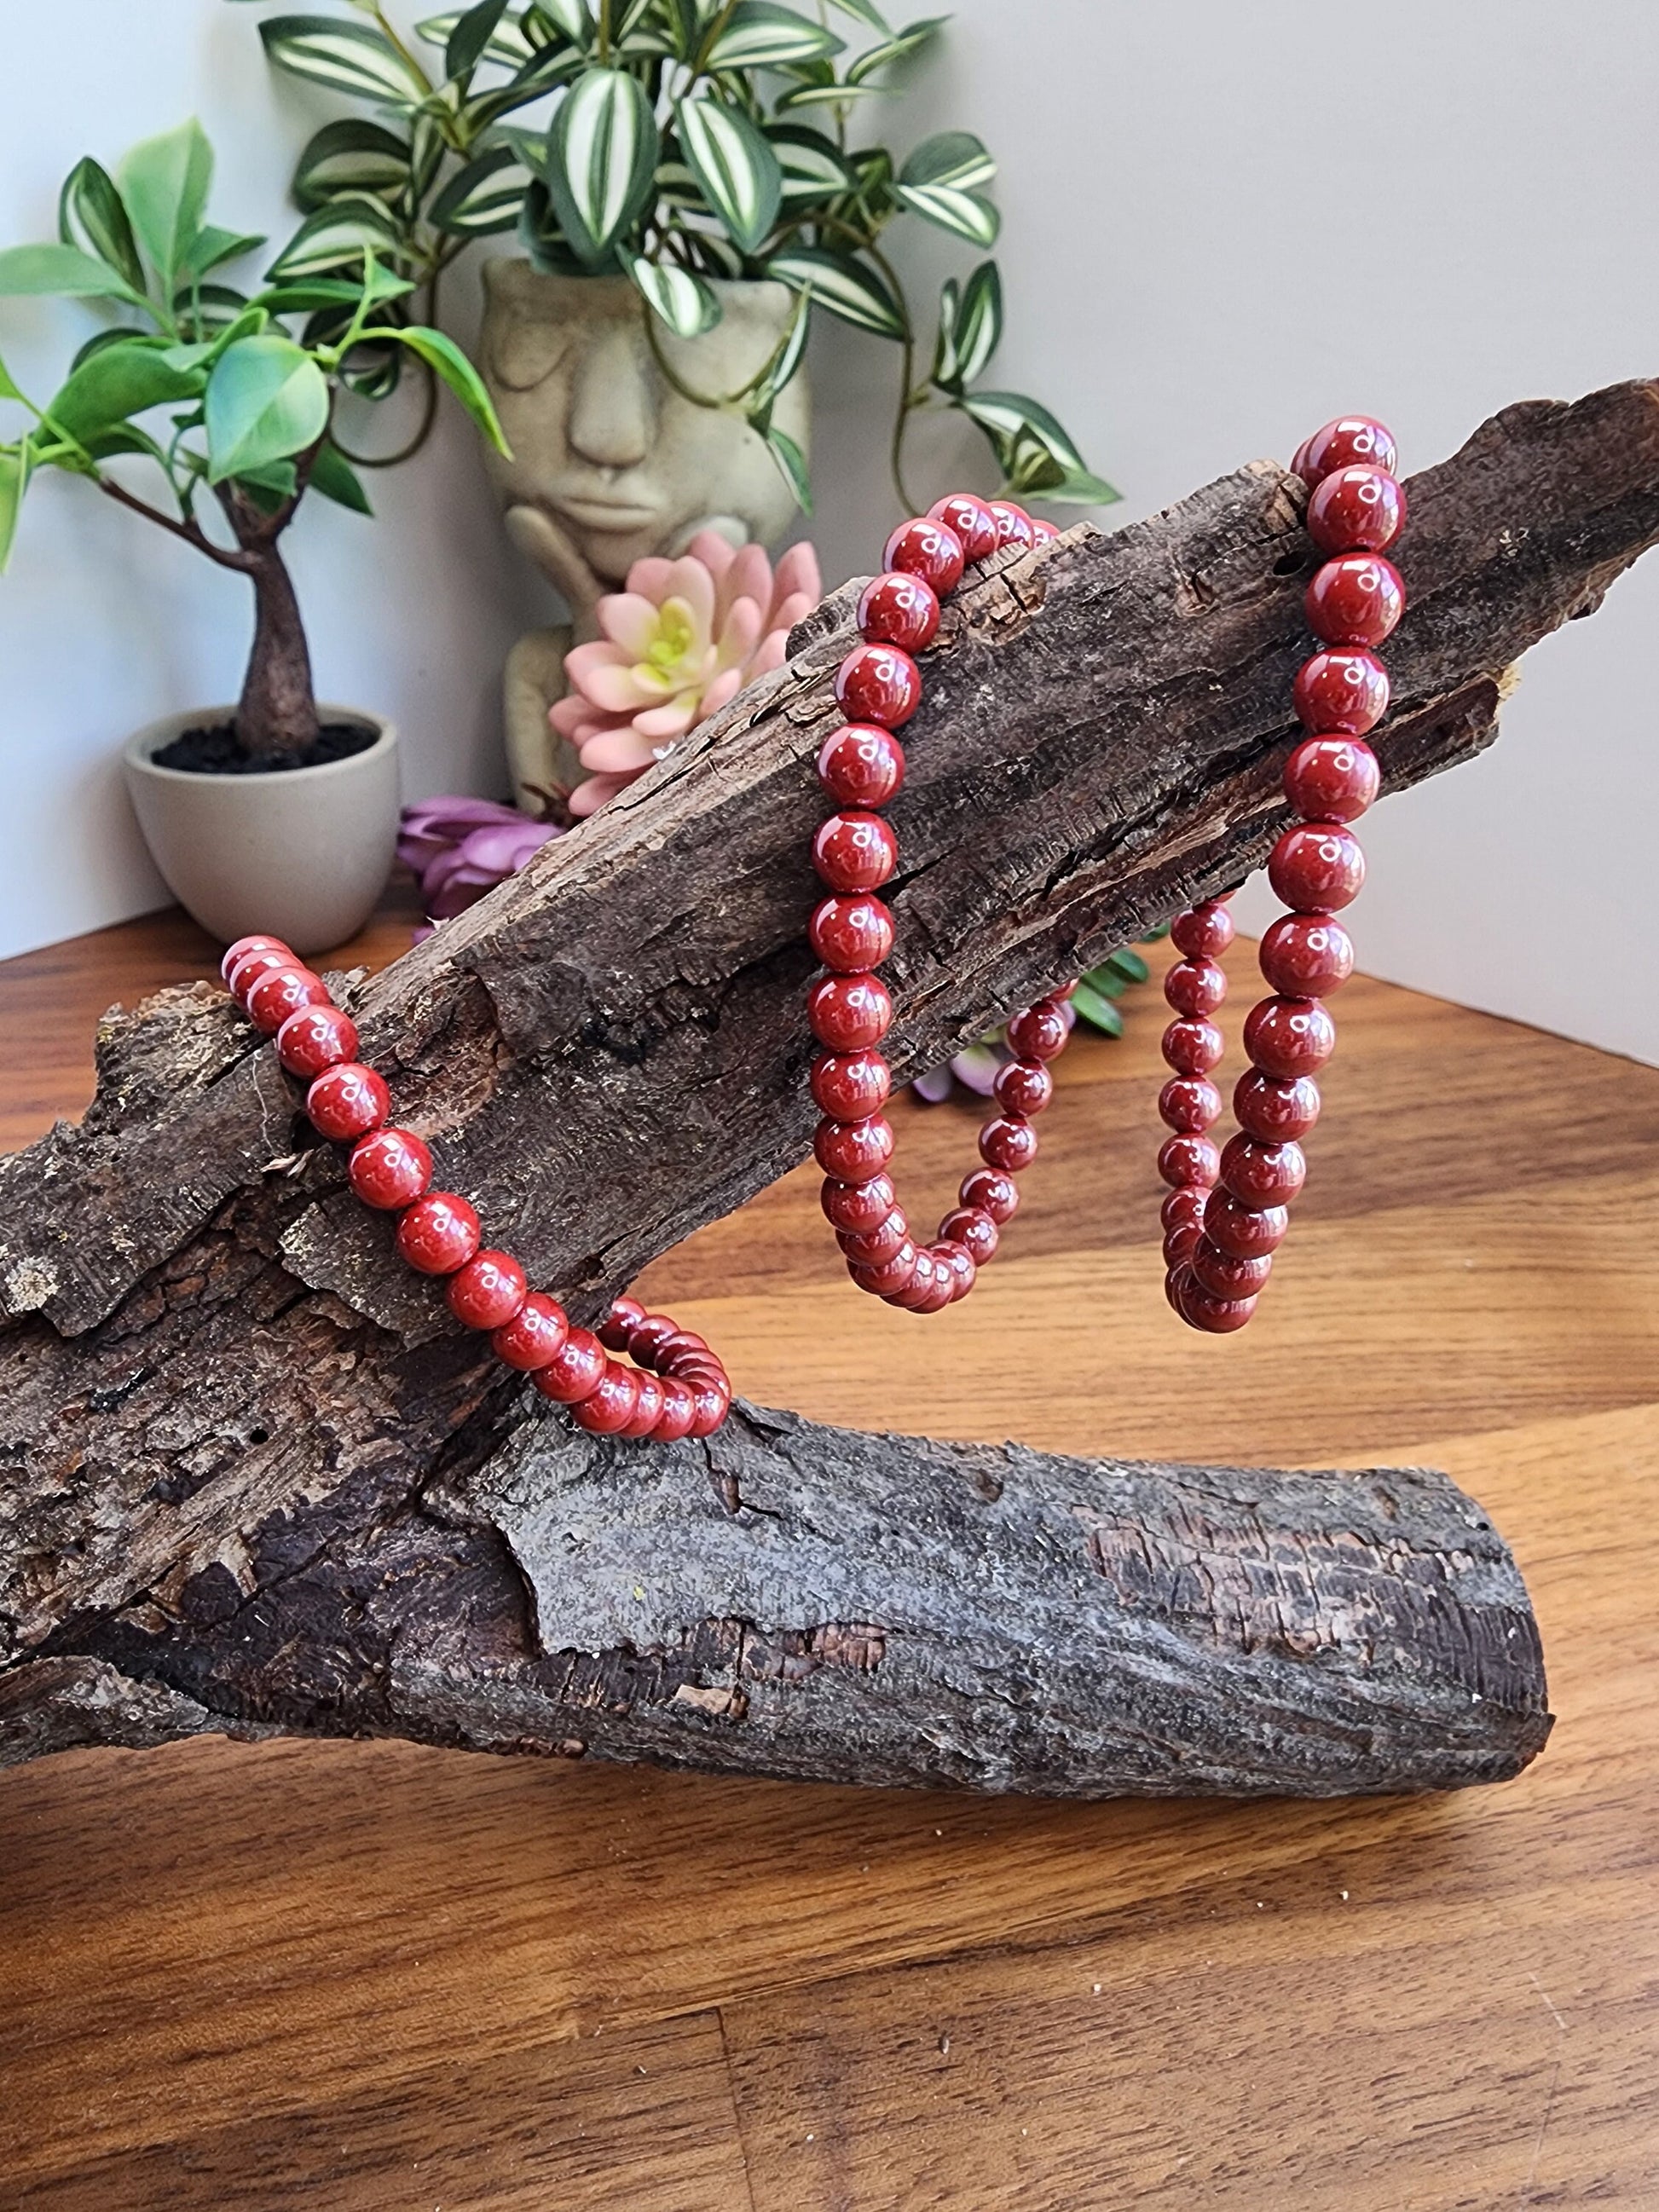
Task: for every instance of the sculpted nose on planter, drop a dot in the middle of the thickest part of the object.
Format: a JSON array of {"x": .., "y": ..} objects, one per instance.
[{"x": 611, "y": 424}]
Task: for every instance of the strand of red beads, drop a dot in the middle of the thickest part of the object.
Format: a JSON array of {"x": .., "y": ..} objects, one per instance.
[
  {"x": 676, "y": 1388},
  {"x": 861, "y": 766},
  {"x": 1227, "y": 1211}
]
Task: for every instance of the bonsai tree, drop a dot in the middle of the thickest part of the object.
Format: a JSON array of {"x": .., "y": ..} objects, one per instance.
[
  {"x": 232, "y": 411},
  {"x": 689, "y": 139}
]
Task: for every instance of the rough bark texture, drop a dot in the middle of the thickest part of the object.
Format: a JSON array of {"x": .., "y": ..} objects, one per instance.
[
  {"x": 277, "y": 713},
  {"x": 252, "y": 1478}
]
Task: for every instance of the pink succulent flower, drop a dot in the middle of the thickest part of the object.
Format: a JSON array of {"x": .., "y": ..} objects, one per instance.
[{"x": 679, "y": 642}]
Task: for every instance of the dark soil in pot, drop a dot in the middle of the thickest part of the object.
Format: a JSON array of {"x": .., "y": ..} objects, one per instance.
[{"x": 215, "y": 751}]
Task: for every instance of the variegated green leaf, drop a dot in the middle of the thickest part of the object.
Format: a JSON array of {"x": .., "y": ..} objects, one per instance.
[
  {"x": 352, "y": 156},
  {"x": 445, "y": 359},
  {"x": 792, "y": 463},
  {"x": 212, "y": 247},
  {"x": 865, "y": 12},
  {"x": 545, "y": 71},
  {"x": 977, "y": 332},
  {"x": 488, "y": 38},
  {"x": 736, "y": 167},
  {"x": 92, "y": 216},
  {"x": 761, "y": 34},
  {"x": 565, "y": 18},
  {"x": 950, "y": 157},
  {"x": 1010, "y": 415},
  {"x": 812, "y": 165},
  {"x": 347, "y": 56},
  {"x": 164, "y": 186},
  {"x": 852, "y": 289},
  {"x": 909, "y": 41},
  {"x": 964, "y": 214},
  {"x": 602, "y": 152},
  {"x": 946, "y": 374},
  {"x": 684, "y": 302},
  {"x": 337, "y": 237},
  {"x": 826, "y": 95},
  {"x": 483, "y": 197}
]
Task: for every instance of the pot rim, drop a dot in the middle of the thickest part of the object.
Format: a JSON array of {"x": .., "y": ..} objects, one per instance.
[{"x": 138, "y": 748}]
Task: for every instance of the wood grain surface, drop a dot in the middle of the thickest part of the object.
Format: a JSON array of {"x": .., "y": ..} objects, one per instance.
[{"x": 349, "y": 1976}]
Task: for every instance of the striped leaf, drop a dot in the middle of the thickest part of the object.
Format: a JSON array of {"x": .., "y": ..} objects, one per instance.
[
  {"x": 1010, "y": 417},
  {"x": 483, "y": 197},
  {"x": 564, "y": 18},
  {"x": 977, "y": 330},
  {"x": 792, "y": 463},
  {"x": 852, "y": 289},
  {"x": 812, "y": 165},
  {"x": 684, "y": 302},
  {"x": 347, "y": 56},
  {"x": 946, "y": 374},
  {"x": 736, "y": 167},
  {"x": 910, "y": 40},
  {"x": 761, "y": 34},
  {"x": 92, "y": 216},
  {"x": 964, "y": 214},
  {"x": 352, "y": 155},
  {"x": 950, "y": 157},
  {"x": 337, "y": 237},
  {"x": 445, "y": 360},
  {"x": 601, "y": 154},
  {"x": 866, "y": 12},
  {"x": 826, "y": 95}
]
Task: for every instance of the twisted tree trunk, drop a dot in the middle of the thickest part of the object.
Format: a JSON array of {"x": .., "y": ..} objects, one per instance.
[{"x": 254, "y": 1480}]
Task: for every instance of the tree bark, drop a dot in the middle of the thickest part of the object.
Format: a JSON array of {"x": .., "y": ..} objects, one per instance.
[
  {"x": 277, "y": 713},
  {"x": 255, "y": 1480}
]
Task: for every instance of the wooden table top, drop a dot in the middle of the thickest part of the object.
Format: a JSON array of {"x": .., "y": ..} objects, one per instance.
[{"x": 355, "y": 1975}]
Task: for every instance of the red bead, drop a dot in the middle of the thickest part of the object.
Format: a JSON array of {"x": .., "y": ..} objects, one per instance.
[
  {"x": 1044, "y": 533},
  {"x": 1196, "y": 987},
  {"x": 873, "y": 1247},
  {"x": 390, "y": 1168},
  {"x": 1193, "y": 1047},
  {"x": 281, "y": 993},
  {"x": 992, "y": 1192},
  {"x": 861, "y": 764},
  {"x": 1355, "y": 599},
  {"x": 1203, "y": 932},
  {"x": 711, "y": 1403},
  {"x": 927, "y": 548},
  {"x": 1187, "y": 1158},
  {"x": 439, "y": 1233},
  {"x": 263, "y": 960},
  {"x": 847, "y": 1012},
  {"x": 686, "y": 1345},
  {"x": 1307, "y": 956},
  {"x": 314, "y": 1038},
  {"x": 958, "y": 1263},
  {"x": 971, "y": 1227},
  {"x": 885, "y": 1279},
  {"x": 1013, "y": 524},
  {"x": 1351, "y": 440},
  {"x": 1246, "y": 1232},
  {"x": 878, "y": 683},
  {"x": 489, "y": 1291},
  {"x": 857, "y": 1206},
  {"x": 1332, "y": 778},
  {"x": 244, "y": 946},
  {"x": 1180, "y": 1243},
  {"x": 1356, "y": 510},
  {"x": 1345, "y": 690},
  {"x": 1226, "y": 1276},
  {"x": 855, "y": 851},
  {"x": 1260, "y": 1175},
  {"x": 1008, "y": 1142},
  {"x": 679, "y": 1410},
  {"x": 1288, "y": 1038},
  {"x": 615, "y": 1331},
  {"x": 1217, "y": 1317},
  {"x": 1040, "y": 1031},
  {"x": 648, "y": 1406},
  {"x": 349, "y": 1101},
  {"x": 852, "y": 1151},
  {"x": 611, "y": 1404},
  {"x": 1317, "y": 867},
  {"x": 1188, "y": 1104},
  {"x": 971, "y": 520},
  {"x": 921, "y": 1282},
  {"x": 940, "y": 1290},
  {"x": 1023, "y": 1086},
  {"x": 575, "y": 1368},
  {"x": 646, "y": 1337},
  {"x": 849, "y": 934},
  {"x": 899, "y": 609},
  {"x": 851, "y": 1086},
  {"x": 1266, "y": 1108},
  {"x": 1184, "y": 1204},
  {"x": 535, "y": 1335}
]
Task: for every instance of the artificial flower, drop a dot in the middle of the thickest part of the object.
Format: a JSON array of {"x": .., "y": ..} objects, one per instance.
[{"x": 461, "y": 847}]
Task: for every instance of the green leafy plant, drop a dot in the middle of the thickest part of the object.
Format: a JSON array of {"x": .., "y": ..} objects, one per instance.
[
  {"x": 212, "y": 388},
  {"x": 689, "y": 140}
]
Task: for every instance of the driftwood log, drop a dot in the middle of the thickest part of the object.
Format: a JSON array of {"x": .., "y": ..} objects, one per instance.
[{"x": 251, "y": 1481}]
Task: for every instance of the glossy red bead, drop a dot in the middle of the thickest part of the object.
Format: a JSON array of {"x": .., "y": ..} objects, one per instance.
[
  {"x": 313, "y": 1038},
  {"x": 1216, "y": 1317},
  {"x": 1008, "y": 1142},
  {"x": 1039, "y": 1031},
  {"x": 1189, "y": 1104},
  {"x": 389, "y": 1169},
  {"x": 1185, "y": 1203},
  {"x": 971, "y": 1227},
  {"x": 1350, "y": 441},
  {"x": 1192, "y": 1046},
  {"x": 1345, "y": 690},
  {"x": 679, "y": 1410},
  {"x": 1317, "y": 867},
  {"x": 1013, "y": 524},
  {"x": 852, "y": 1151},
  {"x": 899, "y": 609},
  {"x": 940, "y": 1289},
  {"x": 1196, "y": 987},
  {"x": 1189, "y": 1158},
  {"x": 648, "y": 1407},
  {"x": 1043, "y": 532},
  {"x": 1289, "y": 1038},
  {"x": 878, "y": 683},
  {"x": 535, "y": 1335},
  {"x": 1332, "y": 778},
  {"x": 489, "y": 1291},
  {"x": 615, "y": 1331},
  {"x": 847, "y": 1012},
  {"x": 1023, "y": 1086},
  {"x": 873, "y": 1247},
  {"x": 1360, "y": 509},
  {"x": 235, "y": 953},
  {"x": 851, "y": 933},
  {"x": 1265, "y": 1107},
  {"x": 850, "y": 1086},
  {"x": 885, "y": 1279},
  {"x": 1358, "y": 598},
  {"x": 575, "y": 1368},
  {"x": 857, "y": 1206},
  {"x": 970, "y": 518},
  {"x": 958, "y": 1263},
  {"x": 861, "y": 764},
  {"x": 1180, "y": 1242},
  {"x": 855, "y": 851},
  {"x": 991, "y": 1191},
  {"x": 684, "y": 1347},
  {"x": 610, "y": 1405},
  {"x": 1247, "y": 1232},
  {"x": 711, "y": 1403},
  {"x": 928, "y": 548},
  {"x": 1203, "y": 932},
  {"x": 1307, "y": 956},
  {"x": 281, "y": 993},
  {"x": 264, "y": 960},
  {"x": 646, "y": 1337},
  {"x": 439, "y": 1233},
  {"x": 1260, "y": 1175},
  {"x": 349, "y": 1101},
  {"x": 1223, "y": 1275}
]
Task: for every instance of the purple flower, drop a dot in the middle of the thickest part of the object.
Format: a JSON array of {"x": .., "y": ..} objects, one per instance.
[
  {"x": 975, "y": 1068},
  {"x": 462, "y": 848}
]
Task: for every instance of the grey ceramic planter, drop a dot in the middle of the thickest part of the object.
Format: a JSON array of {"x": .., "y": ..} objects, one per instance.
[{"x": 303, "y": 852}]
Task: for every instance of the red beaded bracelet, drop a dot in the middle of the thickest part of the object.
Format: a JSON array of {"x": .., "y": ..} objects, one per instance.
[
  {"x": 861, "y": 766},
  {"x": 676, "y": 1386},
  {"x": 1227, "y": 1211}
]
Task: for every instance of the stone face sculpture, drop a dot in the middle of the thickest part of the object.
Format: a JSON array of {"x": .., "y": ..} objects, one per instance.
[{"x": 611, "y": 462}]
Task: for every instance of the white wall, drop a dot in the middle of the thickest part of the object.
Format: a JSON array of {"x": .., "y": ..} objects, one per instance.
[{"x": 1193, "y": 199}]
